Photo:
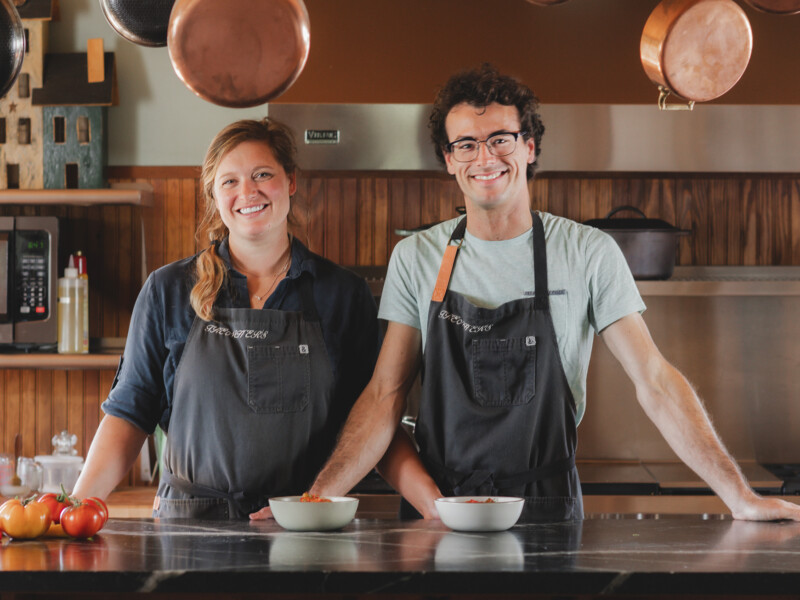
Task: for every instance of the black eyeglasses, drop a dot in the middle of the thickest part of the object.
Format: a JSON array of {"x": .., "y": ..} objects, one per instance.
[{"x": 499, "y": 144}]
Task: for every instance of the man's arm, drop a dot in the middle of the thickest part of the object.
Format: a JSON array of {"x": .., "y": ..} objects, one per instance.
[
  {"x": 672, "y": 404},
  {"x": 372, "y": 422},
  {"x": 114, "y": 449}
]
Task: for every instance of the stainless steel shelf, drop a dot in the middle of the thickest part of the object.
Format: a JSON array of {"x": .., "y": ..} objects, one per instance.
[{"x": 726, "y": 281}]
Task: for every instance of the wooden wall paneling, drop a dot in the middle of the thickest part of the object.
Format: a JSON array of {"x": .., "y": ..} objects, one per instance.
[
  {"x": 74, "y": 402},
  {"x": 188, "y": 215},
  {"x": 60, "y": 403},
  {"x": 200, "y": 207},
  {"x": 28, "y": 412},
  {"x": 349, "y": 223},
  {"x": 380, "y": 252},
  {"x": 154, "y": 226},
  {"x": 172, "y": 222},
  {"x": 299, "y": 212},
  {"x": 91, "y": 410},
  {"x": 429, "y": 210},
  {"x": 12, "y": 392},
  {"x": 315, "y": 215},
  {"x": 778, "y": 218},
  {"x": 130, "y": 271},
  {"x": 717, "y": 223},
  {"x": 109, "y": 256},
  {"x": 732, "y": 202},
  {"x": 749, "y": 208},
  {"x": 794, "y": 203},
  {"x": 366, "y": 221},
  {"x": 333, "y": 219},
  {"x": 44, "y": 412},
  {"x": 398, "y": 192},
  {"x": 412, "y": 211}
]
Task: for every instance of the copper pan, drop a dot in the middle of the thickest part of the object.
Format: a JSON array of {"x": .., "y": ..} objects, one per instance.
[
  {"x": 778, "y": 7},
  {"x": 546, "y": 2},
  {"x": 696, "y": 49},
  {"x": 238, "y": 53}
]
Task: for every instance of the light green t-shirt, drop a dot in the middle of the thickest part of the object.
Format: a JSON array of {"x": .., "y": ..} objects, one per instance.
[{"x": 590, "y": 283}]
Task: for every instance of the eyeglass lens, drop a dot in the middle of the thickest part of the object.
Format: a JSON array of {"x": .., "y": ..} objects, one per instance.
[{"x": 500, "y": 144}]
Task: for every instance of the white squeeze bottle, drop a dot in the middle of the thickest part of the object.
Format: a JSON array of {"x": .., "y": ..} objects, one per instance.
[{"x": 72, "y": 332}]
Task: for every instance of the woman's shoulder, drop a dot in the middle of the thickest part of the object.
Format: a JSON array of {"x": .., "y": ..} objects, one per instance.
[{"x": 175, "y": 273}]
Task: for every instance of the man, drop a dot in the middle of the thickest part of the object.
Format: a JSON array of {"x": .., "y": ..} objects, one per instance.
[{"x": 504, "y": 334}]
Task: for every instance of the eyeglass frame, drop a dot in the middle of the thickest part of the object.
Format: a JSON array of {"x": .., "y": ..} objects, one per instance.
[{"x": 449, "y": 146}]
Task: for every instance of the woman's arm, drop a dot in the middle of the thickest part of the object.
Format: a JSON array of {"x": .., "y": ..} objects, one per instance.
[
  {"x": 402, "y": 468},
  {"x": 114, "y": 449}
]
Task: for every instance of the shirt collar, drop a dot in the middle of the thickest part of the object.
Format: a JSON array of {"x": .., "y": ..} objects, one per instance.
[{"x": 301, "y": 259}]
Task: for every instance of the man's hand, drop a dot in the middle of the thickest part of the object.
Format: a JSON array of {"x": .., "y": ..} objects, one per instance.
[{"x": 767, "y": 509}]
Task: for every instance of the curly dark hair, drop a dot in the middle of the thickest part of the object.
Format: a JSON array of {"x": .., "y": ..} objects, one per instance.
[{"x": 481, "y": 87}]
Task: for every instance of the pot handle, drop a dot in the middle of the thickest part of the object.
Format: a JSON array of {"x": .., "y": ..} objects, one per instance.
[{"x": 625, "y": 207}]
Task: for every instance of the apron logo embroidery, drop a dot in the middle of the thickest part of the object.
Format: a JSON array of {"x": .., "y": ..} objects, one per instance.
[
  {"x": 248, "y": 334},
  {"x": 530, "y": 340},
  {"x": 457, "y": 320},
  {"x": 303, "y": 349}
]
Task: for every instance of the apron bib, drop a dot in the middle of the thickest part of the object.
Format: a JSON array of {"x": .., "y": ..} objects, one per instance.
[
  {"x": 252, "y": 398},
  {"x": 497, "y": 416}
]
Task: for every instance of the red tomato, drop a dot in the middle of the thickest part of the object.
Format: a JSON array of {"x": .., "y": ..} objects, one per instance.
[
  {"x": 100, "y": 505},
  {"x": 82, "y": 520},
  {"x": 56, "y": 503}
]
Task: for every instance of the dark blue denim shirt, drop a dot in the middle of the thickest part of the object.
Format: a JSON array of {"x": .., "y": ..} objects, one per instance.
[{"x": 162, "y": 317}]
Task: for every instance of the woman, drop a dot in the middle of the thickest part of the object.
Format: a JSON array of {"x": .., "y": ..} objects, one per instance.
[{"x": 249, "y": 354}]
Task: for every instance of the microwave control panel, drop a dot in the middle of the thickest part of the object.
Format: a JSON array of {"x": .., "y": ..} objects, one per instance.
[{"x": 31, "y": 258}]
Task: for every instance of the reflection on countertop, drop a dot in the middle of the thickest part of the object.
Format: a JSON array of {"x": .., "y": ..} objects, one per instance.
[{"x": 627, "y": 555}]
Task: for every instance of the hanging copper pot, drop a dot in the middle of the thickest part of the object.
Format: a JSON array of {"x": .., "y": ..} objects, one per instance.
[
  {"x": 238, "y": 53},
  {"x": 696, "y": 49},
  {"x": 777, "y": 7},
  {"x": 546, "y": 2}
]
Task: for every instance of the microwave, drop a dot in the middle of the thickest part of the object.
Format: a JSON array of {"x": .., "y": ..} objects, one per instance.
[{"x": 28, "y": 280}]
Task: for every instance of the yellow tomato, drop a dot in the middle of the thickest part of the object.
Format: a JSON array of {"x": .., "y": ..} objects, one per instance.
[{"x": 24, "y": 521}]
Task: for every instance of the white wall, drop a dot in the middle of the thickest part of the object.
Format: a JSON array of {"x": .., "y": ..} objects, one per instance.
[{"x": 158, "y": 120}]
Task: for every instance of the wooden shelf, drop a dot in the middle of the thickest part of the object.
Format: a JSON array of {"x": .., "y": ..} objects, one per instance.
[
  {"x": 136, "y": 194},
  {"x": 37, "y": 360}
]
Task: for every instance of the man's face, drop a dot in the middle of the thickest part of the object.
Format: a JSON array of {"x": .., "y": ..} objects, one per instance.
[{"x": 489, "y": 181}]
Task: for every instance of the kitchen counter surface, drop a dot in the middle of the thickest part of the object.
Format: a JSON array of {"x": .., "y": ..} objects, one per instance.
[{"x": 607, "y": 555}]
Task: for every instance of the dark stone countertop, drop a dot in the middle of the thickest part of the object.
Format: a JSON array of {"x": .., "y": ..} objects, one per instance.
[{"x": 609, "y": 555}]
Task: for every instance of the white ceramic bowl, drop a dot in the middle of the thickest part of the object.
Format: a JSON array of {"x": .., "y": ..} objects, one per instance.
[
  {"x": 460, "y": 514},
  {"x": 294, "y": 515}
]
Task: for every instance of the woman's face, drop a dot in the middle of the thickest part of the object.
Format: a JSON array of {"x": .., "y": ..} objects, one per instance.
[{"x": 252, "y": 192}]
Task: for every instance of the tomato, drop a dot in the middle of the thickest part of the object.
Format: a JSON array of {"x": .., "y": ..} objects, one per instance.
[
  {"x": 56, "y": 503},
  {"x": 82, "y": 520},
  {"x": 24, "y": 521},
  {"x": 100, "y": 505}
]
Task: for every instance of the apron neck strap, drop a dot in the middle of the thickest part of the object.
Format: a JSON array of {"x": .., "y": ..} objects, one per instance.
[
  {"x": 448, "y": 261},
  {"x": 541, "y": 294}
]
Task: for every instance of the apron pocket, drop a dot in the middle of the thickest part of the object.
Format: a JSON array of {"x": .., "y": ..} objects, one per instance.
[
  {"x": 278, "y": 378},
  {"x": 192, "y": 508},
  {"x": 504, "y": 371}
]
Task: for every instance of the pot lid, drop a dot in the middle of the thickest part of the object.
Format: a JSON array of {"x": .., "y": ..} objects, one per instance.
[{"x": 640, "y": 223}]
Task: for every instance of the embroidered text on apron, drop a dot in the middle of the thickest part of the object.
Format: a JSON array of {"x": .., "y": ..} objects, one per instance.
[
  {"x": 496, "y": 415},
  {"x": 251, "y": 401}
]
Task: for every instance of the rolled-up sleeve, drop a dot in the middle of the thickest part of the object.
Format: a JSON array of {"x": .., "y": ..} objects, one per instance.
[{"x": 138, "y": 393}]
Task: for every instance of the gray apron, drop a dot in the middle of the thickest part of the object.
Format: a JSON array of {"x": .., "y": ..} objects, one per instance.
[
  {"x": 250, "y": 412},
  {"x": 497, "y": 416}
]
